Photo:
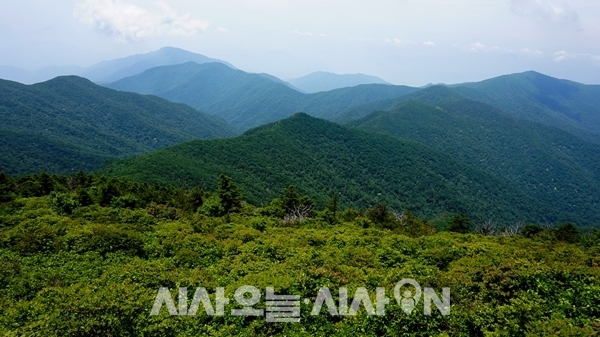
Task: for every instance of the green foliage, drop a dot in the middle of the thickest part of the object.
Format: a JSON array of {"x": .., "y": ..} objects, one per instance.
[
  {"x": 103, "y": 240},
  {"x": 567, "y": 233},
  {"x": 291, "y": 200},
  {"x": 84, "y": 198},
  {"x": 33, "y": 238},
  {"x": 96, "y": 271},
  {"x": 6, "y": 188},
  {"x": 566, "y": 105},
  {"x": 380, "y": 215},
  {"x": 212, "y": 206},
  {"x": 332, "y": 204},
  {"x": 230, "y": 195},
  {"x": 531, "y": 230},
  {"x": 63, "y": 203},
  {"x": 460, "y": 224}
]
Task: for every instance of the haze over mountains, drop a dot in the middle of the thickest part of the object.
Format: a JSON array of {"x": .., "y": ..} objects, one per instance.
[
  {"x": 109, "y": 71},
  {"x": 247, "y": 100},
  {"x": 517, "y": 147},
  {"x": 326, "y": 81}
]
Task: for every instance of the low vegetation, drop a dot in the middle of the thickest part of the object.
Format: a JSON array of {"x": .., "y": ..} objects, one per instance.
[{"x": 85, "y": 255}]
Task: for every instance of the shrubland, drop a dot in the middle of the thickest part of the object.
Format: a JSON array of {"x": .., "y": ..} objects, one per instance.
[{"x": 85, "y": 256}]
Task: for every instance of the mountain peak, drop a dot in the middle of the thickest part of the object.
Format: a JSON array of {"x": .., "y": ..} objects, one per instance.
[{"x": 69, "y": 80}]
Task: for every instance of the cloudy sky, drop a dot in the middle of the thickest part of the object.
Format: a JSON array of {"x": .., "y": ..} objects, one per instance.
[{"x": 412, "y": 42}]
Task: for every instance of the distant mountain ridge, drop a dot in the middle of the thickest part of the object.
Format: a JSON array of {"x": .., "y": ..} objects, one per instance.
[
  {"x": 69, "y": 124},
  {"x": 326, "y": 81},
  {"x": 109, "y": 71},
  {"x": 569, "y": 106},
  {"x": 114, "y": 70},
  {"x": 247, "y": 100}
]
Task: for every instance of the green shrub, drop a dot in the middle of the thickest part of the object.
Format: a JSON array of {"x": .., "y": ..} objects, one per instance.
[
  {"x": 63, "y": 203},
  {"x": 103, "y": 239},
  {"x": 567, "y": 233}
]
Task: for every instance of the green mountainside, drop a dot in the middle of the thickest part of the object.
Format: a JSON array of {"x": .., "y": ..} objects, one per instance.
[
  {"x": 70, "y": 124},
  {"x": 322, "y": 158},
  {"x": 567, "y": 105},
  {"x": 247, "y": 100},
  {"x": 570, "y": 106},
  {"x": 548, "y": 164}
]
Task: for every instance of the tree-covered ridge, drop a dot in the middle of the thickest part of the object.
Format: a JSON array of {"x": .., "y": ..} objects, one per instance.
[
  {"x": 567, "y": 105},
  {"x": 68, "y": 124},
  {"x": 548, "y": 164},
  {"x": 322, "y": 158},
  {"x": 247, "y": 100},
  {"x": 85, "y": 256}
]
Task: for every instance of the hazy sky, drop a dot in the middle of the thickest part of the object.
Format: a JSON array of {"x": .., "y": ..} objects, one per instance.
[{"x": 410, "y": 42}]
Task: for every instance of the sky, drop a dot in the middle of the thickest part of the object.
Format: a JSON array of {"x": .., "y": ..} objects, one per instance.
[{"x": 411, "y": 42}]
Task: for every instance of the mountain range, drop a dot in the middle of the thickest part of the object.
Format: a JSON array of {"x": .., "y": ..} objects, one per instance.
[
  {"x": 570, "y": 106},
  {"x": 520, "y": 147},
  {"x": 247, "y": 100}
]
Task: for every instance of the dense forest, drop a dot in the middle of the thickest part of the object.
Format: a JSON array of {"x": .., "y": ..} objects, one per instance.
[
  {"x": 85, "y": 255},
  {"x": 529, "y": 96},
  {"x": 69, "y": 124},
  {"x": 550, "y": 165},
  {"x": 322, "y": 158}
]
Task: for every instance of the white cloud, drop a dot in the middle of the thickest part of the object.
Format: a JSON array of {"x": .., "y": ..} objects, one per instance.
[
  {"x": 128, "y": 22},
  {"x": 549, "y": 11},
  {"x": 529, "y": 51},
  {"x": 564, "y": 55},
  {"x": 398, "y": 42},
  {"x": 479, "y": 47},
  {"x": 222, "y": 30},
  {"x": 428, "y": 43}
]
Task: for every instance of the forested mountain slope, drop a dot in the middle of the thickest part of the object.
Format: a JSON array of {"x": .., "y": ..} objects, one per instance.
[
  {"x": 568, "y": 105},
  {"x": 322, "y": 158},
  {"x": 69, "y": 124},
  {"x": 548, "y": 164},
  {"x": 531, "y": 96}
]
